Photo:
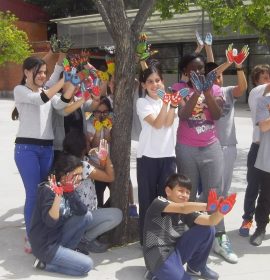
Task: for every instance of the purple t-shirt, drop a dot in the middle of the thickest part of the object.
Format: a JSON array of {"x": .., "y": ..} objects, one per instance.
[{"x": 199, "y": 130}]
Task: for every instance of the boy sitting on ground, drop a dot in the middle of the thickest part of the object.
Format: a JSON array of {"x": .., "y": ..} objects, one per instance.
[{"x": 167, "y": 246}]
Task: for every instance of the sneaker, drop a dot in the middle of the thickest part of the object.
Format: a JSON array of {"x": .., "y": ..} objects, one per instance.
[
  {"x": 245, "y": 228},
  {"x": 39, "y": 264},
  {"x": 132, "y": 210},
  {"x": 222, "y": 246},
  {"x": 81, "y": 249},
  {"x": 257, "y": 237},
  {"x": 27, "y": 246},
  {"x": 95, "y": 246},
  {"x": 205, "y": 273}
]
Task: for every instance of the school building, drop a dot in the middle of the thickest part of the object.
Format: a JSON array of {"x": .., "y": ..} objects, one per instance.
[{"x": 172, "y": 38}]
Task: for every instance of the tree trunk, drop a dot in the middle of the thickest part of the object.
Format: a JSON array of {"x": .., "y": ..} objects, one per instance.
[
  {"x": 125, "y": 36},
  {"x": 121, "y": 133}
]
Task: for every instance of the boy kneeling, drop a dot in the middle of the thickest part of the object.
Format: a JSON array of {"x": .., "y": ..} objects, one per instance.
[{"x": 167, "y": 246}]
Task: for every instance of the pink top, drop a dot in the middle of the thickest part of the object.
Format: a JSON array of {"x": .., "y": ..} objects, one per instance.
[{"x": 199, "y": 130}]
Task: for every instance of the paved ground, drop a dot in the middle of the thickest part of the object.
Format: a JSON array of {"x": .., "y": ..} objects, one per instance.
[{"x": 126, "y": 262}]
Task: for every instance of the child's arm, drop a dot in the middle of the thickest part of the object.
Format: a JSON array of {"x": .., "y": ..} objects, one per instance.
[
  {"x": 54, "y": 211},
  {"x": 106, "y": 175},
  {"x": 185, "y": 207},
  {"x": 209, "y": 220},
  {"x": 241, "y": 82},
  {"x": 160, "y": 120},
  {"x": 264, "y": 125}
]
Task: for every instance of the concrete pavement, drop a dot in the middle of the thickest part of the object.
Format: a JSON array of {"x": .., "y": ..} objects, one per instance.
[{"x": 125, "y": 262}]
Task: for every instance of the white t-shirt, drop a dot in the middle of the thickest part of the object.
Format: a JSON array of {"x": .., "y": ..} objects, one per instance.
[
  {"x": 153, "y": 142},
  {"x": 254, "y": 95}
]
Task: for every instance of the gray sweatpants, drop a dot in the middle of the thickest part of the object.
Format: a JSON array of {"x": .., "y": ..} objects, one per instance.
[
  {"x": 202, "y": 165},
  {"x": 229, "y": 157}
]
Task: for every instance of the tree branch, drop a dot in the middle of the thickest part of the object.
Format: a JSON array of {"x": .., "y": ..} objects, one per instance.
[
  {"x": 102, "y": 7},
  {"x": 145, "y": 9}
]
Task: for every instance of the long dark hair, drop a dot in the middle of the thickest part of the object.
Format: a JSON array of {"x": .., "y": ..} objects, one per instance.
[{"x": 32, "y": 63}]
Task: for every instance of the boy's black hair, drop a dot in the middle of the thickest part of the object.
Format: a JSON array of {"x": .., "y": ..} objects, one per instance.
[
  {"x": 75, "y": 143},
  {"x": 178, "y": 180},
  {"x": 64, "y": 164}
]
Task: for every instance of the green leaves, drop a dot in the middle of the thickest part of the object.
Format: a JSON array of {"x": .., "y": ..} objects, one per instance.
[
  {"x": 226, "y": 15},
  {"x": 14, "y": 45}
]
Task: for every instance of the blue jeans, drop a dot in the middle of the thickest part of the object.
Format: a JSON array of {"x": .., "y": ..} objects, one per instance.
[
  {"x": 66, "y": 260},
  {"x": 104, "y": 219},
  {"x": 34, "y": 163},
  {"x": 193, "y": 248}
]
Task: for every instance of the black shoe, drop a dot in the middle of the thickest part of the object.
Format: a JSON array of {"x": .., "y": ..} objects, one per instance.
[
  {"x": 205, "y": 273},
  {"x": 149, "y": 276},
  {"x": 95, "y": 246},
  {"x": 39, "y": 264},
  {"x": 81, "y": 249},
  {"x": 257, "y": 237}
]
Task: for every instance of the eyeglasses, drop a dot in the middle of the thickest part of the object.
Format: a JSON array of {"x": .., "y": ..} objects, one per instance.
[{"x": 98, "y": 113}]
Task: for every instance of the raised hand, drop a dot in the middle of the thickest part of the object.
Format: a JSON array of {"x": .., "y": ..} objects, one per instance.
[
  {"x": 202, "y": 84},
  {"x": 103, "y": 152},
  {"x": 208, "y": 39},
  {"x": 209, "y": 81},
  {"x": 212, "y": 202},
  {"x": 233, "y": 56},
  {"x": 61, "y": 44},
  {"x": 57, "y": 189},
  {"x": 165, "y": 97},
  {"x": 196, "y": 82},
  {"x": 241, "y": 57},
  {"x": 68, "y": 185},
  {"x": 65, "y": 44},
  {"x": 227, "y": 204},
  {"x": 85, "y": 93},
  {"x": 55, "y": 44},
  {"x": 184, "y": 92},
  {"x": 143, "y": 48},
  {"x": 199, "y": 39}
]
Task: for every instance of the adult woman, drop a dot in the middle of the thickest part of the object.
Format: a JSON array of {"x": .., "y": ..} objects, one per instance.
[
  {"x": 155, "y": 151},
  {"x": 33, "y": 149},
  {"x": 59, "y": 221},
  {"x": 198, "y": 151}
]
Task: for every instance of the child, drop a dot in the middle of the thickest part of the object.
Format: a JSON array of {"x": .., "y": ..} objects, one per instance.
[
  {"x": 262, "y": 163},
  {"x": 60, "y": 220},
  {"x": 260, "y": 78},
  {"x": 155, "y": 151},
  {"x": 104, "y": 219},
  {"x": 167, "y": 245}
]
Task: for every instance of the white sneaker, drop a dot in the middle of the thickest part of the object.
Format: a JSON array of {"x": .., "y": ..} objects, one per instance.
[{"x": 222, "y": 246}]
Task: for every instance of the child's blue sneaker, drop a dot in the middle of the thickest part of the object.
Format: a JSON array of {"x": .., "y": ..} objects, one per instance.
[
  {"x": 245, "y": 228},
  {"x": 132, "y": 211},
  {"x": 205, "y": 273}
]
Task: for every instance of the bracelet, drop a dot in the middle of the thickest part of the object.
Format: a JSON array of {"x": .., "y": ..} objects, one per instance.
[
  {"x": 174, "y": 107},
  {"x": 240, "y": 69}
]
